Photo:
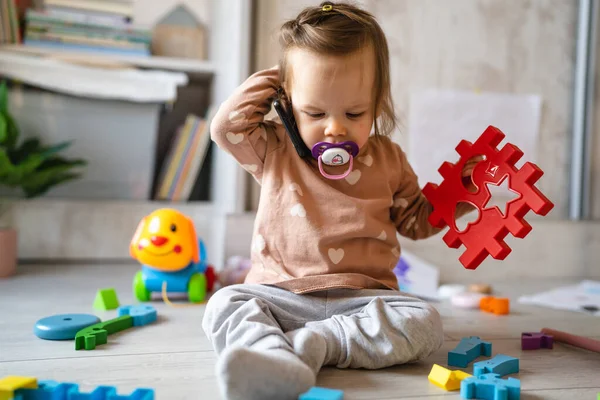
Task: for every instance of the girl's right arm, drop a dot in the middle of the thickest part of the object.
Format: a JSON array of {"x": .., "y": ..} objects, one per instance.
[{"x": 239, "y": 128}]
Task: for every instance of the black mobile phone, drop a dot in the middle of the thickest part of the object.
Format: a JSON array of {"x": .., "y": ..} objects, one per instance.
[{"x": 289, "y": 122}]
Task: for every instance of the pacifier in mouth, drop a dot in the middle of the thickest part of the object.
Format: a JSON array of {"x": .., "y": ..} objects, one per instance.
[{"x": 334, "y": 154}]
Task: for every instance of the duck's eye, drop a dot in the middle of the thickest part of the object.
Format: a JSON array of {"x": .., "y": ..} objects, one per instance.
[{"x": 173, "y": 228}]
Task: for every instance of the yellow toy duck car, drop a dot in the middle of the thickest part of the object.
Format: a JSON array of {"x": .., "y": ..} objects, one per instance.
[{"x": 173, "y": 258}]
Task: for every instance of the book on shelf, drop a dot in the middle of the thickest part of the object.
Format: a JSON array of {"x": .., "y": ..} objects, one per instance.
[
  {"x": 10, "y": 25},
  {"x": 115, "y": 7},
  {"x": 183, "y": 164},
  {"x": 98, "y": 26}
]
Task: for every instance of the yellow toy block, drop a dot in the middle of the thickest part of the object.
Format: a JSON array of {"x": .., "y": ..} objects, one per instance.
[
  {"x": 9, "y": 384},
  {"x": 446, "y": 379}
]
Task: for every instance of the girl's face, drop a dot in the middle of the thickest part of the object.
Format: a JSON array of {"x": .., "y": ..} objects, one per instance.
[{"x": 332, "y": 96}]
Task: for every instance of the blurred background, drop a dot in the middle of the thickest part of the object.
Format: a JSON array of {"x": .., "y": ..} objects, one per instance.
[{"x": 121, "y": 92}]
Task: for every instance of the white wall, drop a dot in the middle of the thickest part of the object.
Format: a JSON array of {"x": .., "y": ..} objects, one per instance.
[{"x": 516, "y": 47}]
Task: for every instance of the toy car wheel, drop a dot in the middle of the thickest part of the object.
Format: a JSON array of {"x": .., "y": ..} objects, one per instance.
[
  {"x": 139, "y": 289},
  {"x": 211, "y": 277},
  {"x": 197, "y": 288}
]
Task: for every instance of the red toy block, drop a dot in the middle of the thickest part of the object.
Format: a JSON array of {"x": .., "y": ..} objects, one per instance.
[{"x": 486, "y": 235}]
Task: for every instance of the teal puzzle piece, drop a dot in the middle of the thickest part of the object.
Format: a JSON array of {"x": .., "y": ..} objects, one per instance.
[
  {"x": 52, "y": 390},
  {"x": 319, "y": 393},
  {"x": 501, "y": 364},
  {"x": 490, "y": 387},
  {"x": 467, "y": 350},
  {"x": 142, "y": 314}
]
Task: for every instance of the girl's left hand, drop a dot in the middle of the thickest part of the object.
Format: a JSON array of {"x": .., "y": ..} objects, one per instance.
[{"x": 468, "y": 171}]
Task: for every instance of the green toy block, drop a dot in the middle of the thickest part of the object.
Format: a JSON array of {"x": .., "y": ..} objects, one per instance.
[
  {"x": 106, "y": 299},
  {"x": 97, "y": 334}
]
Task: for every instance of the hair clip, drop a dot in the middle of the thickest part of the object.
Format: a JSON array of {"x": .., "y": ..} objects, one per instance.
[{"x": 327, "y": 7}]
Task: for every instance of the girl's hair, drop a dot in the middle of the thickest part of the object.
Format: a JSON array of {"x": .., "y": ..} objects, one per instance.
[{"x": 341, "y": 29}]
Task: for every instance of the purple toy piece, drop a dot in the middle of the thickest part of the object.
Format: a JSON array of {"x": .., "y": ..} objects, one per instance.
[{"x": 536, "y": 340}]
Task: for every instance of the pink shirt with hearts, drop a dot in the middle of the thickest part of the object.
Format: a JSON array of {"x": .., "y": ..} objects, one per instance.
[{"x": 312, "y": 233}]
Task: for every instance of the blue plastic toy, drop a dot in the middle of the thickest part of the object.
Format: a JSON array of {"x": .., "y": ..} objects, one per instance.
[
  {"x": 63, "y": 326},
  {"x": 467, "y": 350},
  {"x": 501, "y": 364},
  {"x": 142, "y": 314},
  {"x": 490, "y": 387},
  {"x": 319, "y": 393},
  {"x": 52, "y": 390}
]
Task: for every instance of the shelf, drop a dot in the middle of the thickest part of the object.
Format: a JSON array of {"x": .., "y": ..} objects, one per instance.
[{"x": 152, "y": 62}]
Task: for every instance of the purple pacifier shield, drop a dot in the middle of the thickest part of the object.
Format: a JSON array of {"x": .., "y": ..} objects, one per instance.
[{"x": 320, "y": 147}]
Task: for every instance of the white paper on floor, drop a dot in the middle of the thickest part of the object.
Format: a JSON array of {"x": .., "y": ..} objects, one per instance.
[
  {"x": 583, "y": 297},
  {"x": 417, "y": 277},
  {"x": 440, "y": 119}
]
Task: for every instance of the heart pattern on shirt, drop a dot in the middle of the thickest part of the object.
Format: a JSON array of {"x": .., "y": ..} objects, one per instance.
[
  {"x": 259, "y": 243},
  {"x": 382, "y": 236},
  {"x": 250, "y": 167},
  {"x": 367, "y": 160},
  {"x": 410, "y": 222},
  {"x": 400, "y": 202},
  {"x": 294, "y": 187},
  {"x": 298, "y": 211},
  {"x": 353, "y": 177},
  {"x": 234, "y": 138},
  {"x": 335, "y": 255},
  {"x": 236, "y": 116}
]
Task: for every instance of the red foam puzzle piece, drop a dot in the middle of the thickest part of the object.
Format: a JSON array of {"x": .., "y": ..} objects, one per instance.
[{"x": 485, "y": 236}]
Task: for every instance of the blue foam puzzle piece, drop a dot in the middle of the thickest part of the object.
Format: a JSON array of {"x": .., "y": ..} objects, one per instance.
[
  {"x": 99, "y": 393},
  {"x": 490, "y": 387},
  {"x": 467, "y": 350},
  {"x": 138, "y": 394},
  {"x": 319, "y": 393},
  {"x": 63, "y": 326},
  {"x": 47, "y": 390},
  {"x": 501, "y": 364},
  {"x": 141, "y": 314},
  {"x": 52, "y": 390}
]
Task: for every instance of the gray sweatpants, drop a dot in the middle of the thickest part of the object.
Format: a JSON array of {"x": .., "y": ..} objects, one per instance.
[{"x": 363, "y": 328}]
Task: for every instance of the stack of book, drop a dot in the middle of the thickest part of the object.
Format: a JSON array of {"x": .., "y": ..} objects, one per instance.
[
  {"x": 181, "y": 169},
  {"x": 97, "y": 26},
  {"x": 10, "y": 31}
]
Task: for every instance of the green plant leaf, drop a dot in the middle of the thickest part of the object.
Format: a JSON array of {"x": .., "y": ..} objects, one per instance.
[
  {"x": 32, "y": 166},
  {"x": 11, "y": 174},
  {"x": 3, "y": 98},
  {"x": 12, "y": 132},
  {"x": 5, "y": 164},
  {"x": 57, "y": 148},
  {"x": 48, "y": 174},
  {"x": 28, "y": 147},
  {"x": 31, "y": 190},
  {"x": 3, "y": 129}
]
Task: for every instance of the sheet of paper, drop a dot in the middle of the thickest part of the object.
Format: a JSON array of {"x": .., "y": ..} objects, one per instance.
[
  {"x": 417, "y": 277},
  {"x": 583, "y": 297},
  {"x": 440, "y": 119}
]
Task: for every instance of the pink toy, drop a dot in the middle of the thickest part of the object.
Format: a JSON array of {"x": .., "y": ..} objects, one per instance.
[
  {"x": 467, "y": 300},
  {"x": 574, "y": 340}
]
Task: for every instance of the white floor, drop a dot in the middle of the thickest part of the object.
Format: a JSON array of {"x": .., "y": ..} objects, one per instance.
[{"x": 173, "y": 356}]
